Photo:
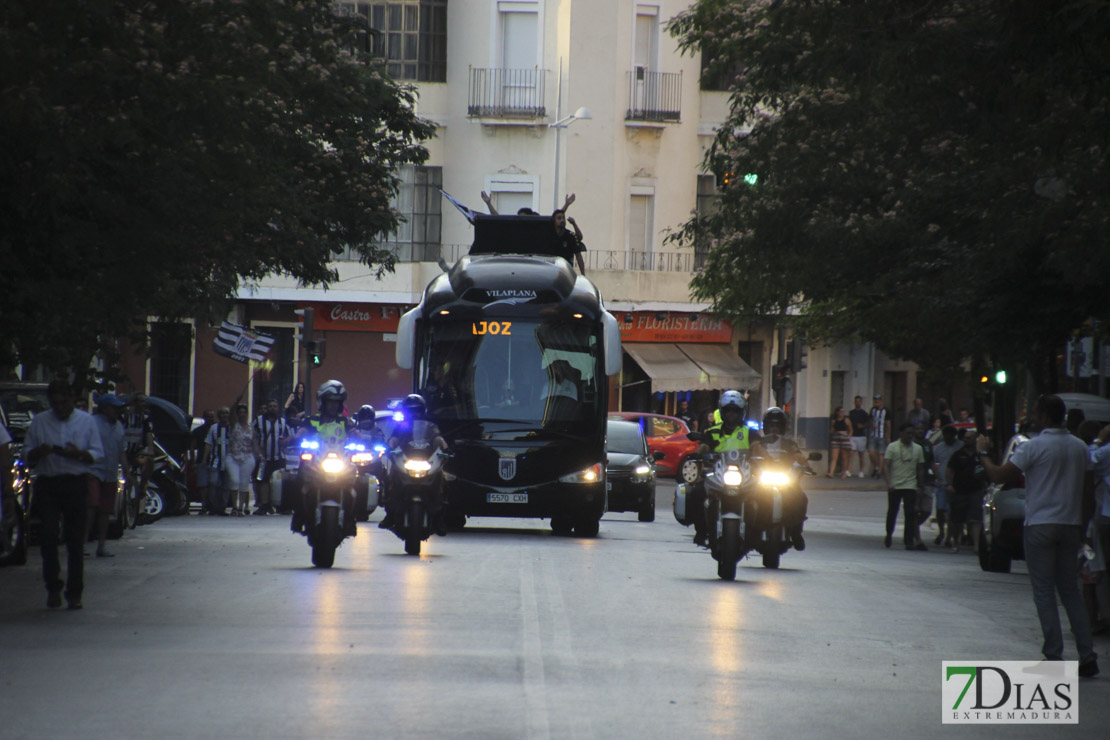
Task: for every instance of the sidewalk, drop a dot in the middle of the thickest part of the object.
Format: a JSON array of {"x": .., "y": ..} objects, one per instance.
[{"x": 852, "y": 483}]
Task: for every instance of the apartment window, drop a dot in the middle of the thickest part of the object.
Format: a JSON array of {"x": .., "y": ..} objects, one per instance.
[
  {"x": 417, "y": 238},
  {"x": 411, "y": 37},
  {"x": 641, "y": 214},
  {"x": 510, "y": 193},
  {"x": 171, "y": 350}
]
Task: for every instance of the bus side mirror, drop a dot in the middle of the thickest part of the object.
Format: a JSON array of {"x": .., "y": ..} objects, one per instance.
[{"x": 612, "y": 339}]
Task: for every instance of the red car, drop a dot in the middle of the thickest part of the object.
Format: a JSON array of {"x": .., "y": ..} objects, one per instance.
[{"x": 668, "y": 435}]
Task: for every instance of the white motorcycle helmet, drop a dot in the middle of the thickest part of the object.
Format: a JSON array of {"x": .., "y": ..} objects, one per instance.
[
  {"x": 734, "y": 399},
  {"x": 330, "y": 390}
]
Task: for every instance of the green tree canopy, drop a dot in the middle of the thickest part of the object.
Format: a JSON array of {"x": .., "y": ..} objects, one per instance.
[
  {"x": 932, "y": 176},
  {"x": 156, "y": 154}
]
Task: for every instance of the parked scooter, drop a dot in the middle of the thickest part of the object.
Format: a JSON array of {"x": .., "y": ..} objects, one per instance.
[
  {"x": 328, "y": 479},
  {"x": 415, "y": 470}
]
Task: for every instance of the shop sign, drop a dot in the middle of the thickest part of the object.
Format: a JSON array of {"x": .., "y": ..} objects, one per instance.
[
  {"x": 650, "y": 326},
  {"x": 356, "y": 316}
]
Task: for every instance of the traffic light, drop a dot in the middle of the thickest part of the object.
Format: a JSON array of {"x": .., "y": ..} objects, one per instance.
[
  {"x": 303, "y": 332},
  {"x": 1000, "y": 377},
  {"x": 317, "y": 351},
  {"x": 798, "y": 355},
  {"x": 779, "y": 379}
]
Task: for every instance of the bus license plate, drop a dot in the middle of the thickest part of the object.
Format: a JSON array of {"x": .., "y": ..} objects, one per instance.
[{"x": 506, "y": 498}]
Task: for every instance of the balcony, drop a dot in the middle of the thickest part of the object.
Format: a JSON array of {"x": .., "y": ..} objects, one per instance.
[
  {"x": 654, "y": 97},
  {"x": 508, "y": 94},
  {"x": 684, "y": 261}
]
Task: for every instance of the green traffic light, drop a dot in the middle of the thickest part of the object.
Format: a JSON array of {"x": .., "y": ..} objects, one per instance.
[
  {"x": 1000, "y": 377},
  {"x": 751, "y": 178}
]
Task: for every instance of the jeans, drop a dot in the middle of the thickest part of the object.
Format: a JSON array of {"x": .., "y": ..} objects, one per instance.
[
  {"x": 65, "y": 498},
  {"x": 907, "y": 497},
  {"x": 1051, "y": 554}
]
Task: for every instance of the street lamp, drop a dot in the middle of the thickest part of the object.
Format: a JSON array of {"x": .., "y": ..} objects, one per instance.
[{"x": 581, "y": 113}]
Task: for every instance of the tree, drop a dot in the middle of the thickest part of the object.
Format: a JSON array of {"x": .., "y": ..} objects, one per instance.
[
  {"x": 159, "y": 154},
  {"x": 932, "y": 176}
]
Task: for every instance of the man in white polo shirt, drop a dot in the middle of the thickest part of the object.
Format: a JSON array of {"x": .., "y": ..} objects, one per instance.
[
  {"x": 1059, "y": 503},
  {"x": 62, "y": 446}
]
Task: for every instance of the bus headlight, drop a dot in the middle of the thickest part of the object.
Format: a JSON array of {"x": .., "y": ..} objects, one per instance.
[
  {"x": 732, "y": 476},
  {"x": 591, "y": 474}
]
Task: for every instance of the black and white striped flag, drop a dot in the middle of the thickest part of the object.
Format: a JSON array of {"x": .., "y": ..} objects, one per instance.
[{"x": 242, "y": 344}]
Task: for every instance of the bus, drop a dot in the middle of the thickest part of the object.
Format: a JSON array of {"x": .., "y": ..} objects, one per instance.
[{"x": 512, "y": 351}]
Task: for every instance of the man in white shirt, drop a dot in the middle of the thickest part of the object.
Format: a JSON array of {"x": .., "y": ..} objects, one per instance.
[
  {"x": 62, "y": 446},
  {"x": 1059, "y": 503}
]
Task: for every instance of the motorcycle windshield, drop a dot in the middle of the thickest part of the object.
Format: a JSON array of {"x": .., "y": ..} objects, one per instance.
[
  {"x": 418, "y": 440},
  {"x": 519, "y": 376}
]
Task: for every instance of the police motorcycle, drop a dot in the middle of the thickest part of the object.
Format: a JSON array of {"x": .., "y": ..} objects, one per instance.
[
  {"x": 414, "y": 471},
  {"x": 366, "y": 456},
  {"x": 328, "y": 478}
]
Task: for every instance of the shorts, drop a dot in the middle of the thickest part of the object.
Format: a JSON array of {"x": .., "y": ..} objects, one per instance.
[
  {"x": 942, "y": 497},
  {"x": 239, "y": 473},
  {"x": 102, "y": 494},
  {"x": 876, "y": 444},
  {"x": 859, "y": 444},
  {"x": 840, "y": 442},
  {"x": 267, "y": 468},
  {"x": 965, "y": 507},
  {"x": 206, "y": 476}
]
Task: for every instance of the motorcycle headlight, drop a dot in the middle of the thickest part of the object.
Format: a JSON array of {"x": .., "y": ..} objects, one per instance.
[
  {"x": 417, "y": 468},
  {"x": 333, "y": 464},
  {"x": 591, "y": 474},
  {"x": 362, "y": 458},
  {"x": 641, "y": 474},
  {"x": 732, "y": 476},
  {"x": 773, "y": 478}
]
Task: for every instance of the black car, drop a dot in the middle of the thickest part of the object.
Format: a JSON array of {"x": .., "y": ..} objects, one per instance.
[{"x": 630, "y": 470}]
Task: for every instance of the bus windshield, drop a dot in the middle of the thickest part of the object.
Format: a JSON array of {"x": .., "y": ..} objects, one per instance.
[{"x": 527, "y": 373}]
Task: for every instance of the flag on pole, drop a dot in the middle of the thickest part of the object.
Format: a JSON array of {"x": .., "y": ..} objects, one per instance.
[
  {"x": 470, "y": 214},
  {"x": 242, "y": 344}
]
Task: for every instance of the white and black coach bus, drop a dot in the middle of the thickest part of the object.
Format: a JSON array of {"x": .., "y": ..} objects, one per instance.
[{"x": 512, "y": 350}]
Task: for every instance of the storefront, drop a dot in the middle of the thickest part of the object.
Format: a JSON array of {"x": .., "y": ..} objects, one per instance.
[{"x": 671, "y": 356}]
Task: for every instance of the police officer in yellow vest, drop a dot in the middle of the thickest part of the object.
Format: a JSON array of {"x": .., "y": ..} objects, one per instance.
[
  {"x": 716, "y": 419},
  {"x": 329, "y": 426},
  {"x": 731, "y": 433}
]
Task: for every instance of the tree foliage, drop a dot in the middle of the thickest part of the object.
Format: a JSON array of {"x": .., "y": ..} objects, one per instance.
[
  {"x": 932, "y": 174},
  {"x": 158, "y": 154}
]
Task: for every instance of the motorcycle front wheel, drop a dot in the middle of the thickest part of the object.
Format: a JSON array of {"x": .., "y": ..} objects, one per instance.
[
  {"x": 152, "y": 507},
  {"x": 326, "y": 538},
  {"x": 413, "y": 528},
  {"x": 729, "y": 549}
]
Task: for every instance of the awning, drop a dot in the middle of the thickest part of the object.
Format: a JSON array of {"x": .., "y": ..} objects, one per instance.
[
  {"x": 725, "y": 369},
  {"x": 691, "y": 367}
]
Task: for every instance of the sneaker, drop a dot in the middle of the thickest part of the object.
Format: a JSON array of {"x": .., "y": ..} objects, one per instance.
[
  {"x": 53, "y": 599},
  {"x": 1089, "y": 668},
  {"x": 74, "y": 602},
  {"x": 888, "y": 541}
]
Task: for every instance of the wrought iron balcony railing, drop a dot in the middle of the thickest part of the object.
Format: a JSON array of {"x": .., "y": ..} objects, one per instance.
[
  {"x": 654, "y": 96},
  {"x": 506, "y": 93}
]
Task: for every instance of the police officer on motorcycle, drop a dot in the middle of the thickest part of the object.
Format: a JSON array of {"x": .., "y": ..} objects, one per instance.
[
  {"x": 330, "y": 426},
  {"x": 413, "y": 409},
  {"x": 775, "y": 443},
  {"x": 730, "y": 434}
]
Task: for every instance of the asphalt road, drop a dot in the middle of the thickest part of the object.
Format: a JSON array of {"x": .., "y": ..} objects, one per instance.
[{"x": 206, "y": 627}]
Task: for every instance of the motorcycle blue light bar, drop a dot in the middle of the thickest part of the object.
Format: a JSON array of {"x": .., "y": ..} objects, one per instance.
[
  {"x": 310, "y": 444},
  {"x": 398, "y": 416},
  {"x": 753, "y": 424}
]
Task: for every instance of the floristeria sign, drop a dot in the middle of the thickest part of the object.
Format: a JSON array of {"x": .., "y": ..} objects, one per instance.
[
  {"x": 649, "y": 326},
  {"x": 356, "y": 316}
]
